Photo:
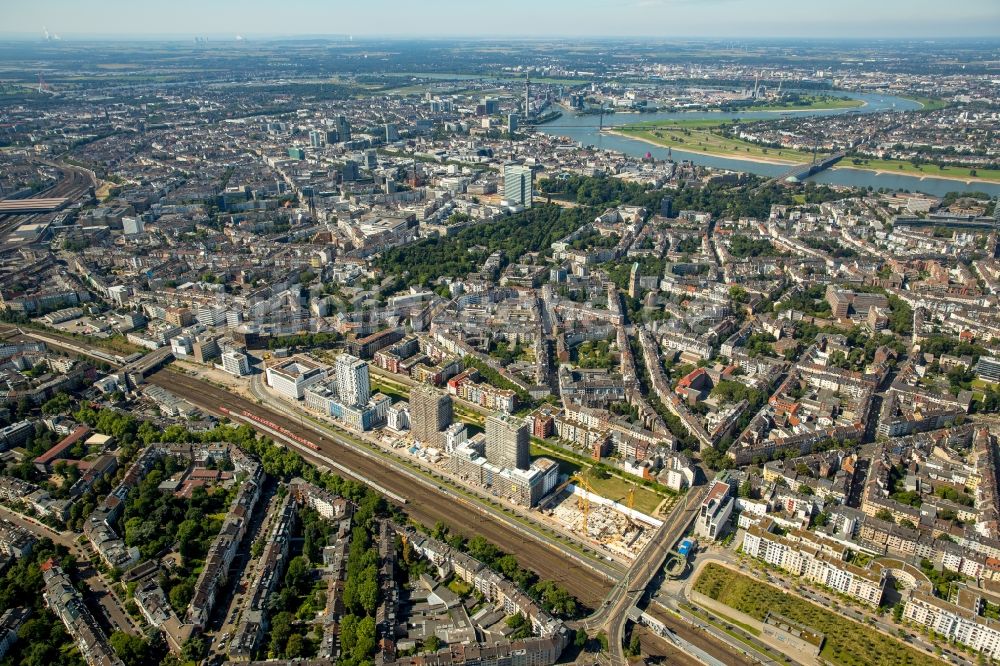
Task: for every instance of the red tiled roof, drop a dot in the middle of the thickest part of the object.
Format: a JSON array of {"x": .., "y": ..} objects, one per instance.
[{"x": 68, "y": 441}]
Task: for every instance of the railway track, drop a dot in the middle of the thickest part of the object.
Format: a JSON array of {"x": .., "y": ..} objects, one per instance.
[
  {"x": 73, "y": 184},
  {"x": 721, "y": 651},
  {"x": 657, "y": 649},
  {"x": 424, "y": 504}
]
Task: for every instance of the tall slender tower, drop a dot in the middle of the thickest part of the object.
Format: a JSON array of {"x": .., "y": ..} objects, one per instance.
[
  {"x": 430, "y": 413},
  {"x": 353, "y": 383},
  {"x": 527, "y": 94},
  {"x": 507, "y": 442}
]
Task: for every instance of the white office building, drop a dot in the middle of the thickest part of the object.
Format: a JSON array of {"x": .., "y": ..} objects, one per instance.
[
  {"x": 397, "y": 416},
  {"x": 291, "y": 378},
  {"x": 236, "y": 363},
  {"x": 455, "y": 436},
  {"x": 181, "y": 346},
  {"x": 517, "y": 186},
  {"x": 211, "y": 315},
  {"x": 713, "y": 515},
  {"x": 133, "y": 226}
]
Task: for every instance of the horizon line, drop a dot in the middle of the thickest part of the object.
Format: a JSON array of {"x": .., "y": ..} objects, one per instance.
[{"x": 237, "y": 36}]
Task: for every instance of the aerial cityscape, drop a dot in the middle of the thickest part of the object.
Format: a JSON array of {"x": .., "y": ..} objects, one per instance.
[{"x": 434, "y": 334}]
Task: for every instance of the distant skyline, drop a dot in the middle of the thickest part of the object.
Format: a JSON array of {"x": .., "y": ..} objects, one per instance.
[{"x": 742, "y": 19}]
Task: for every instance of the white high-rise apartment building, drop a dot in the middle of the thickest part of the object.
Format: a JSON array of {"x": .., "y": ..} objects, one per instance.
[{"x": 353, "y": 383}]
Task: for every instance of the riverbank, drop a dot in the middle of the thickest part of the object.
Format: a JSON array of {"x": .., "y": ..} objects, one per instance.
[
  {"x": 883, "y": 167},
  {"x": 720, "y": 152},
  {"x": 992, "y": 179},
  {"x": 927, "y": 103},
  {"x": 830, "y": 104}
]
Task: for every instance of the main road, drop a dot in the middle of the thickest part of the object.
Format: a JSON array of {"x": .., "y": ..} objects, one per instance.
[{"x": 613, "y": 615}]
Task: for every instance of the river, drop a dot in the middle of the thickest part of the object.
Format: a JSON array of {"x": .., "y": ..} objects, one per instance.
[{"x": 586, "y": 130}]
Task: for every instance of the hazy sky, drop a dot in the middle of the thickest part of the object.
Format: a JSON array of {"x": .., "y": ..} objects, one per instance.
[{"x": 432, "y": 18}]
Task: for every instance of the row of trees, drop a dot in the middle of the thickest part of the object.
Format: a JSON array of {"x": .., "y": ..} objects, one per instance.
[
  {"x": 42, "y": 639},
  {"x": 745, "y": 199},
  {"x": 744, "y": 246},
  {"x": 548, "y": 594},
  {"x": 494, "y": 377},
  {"x": 308, "y": 340},
  {"x": 361, "y": 587},
  {"x": 685, "y": 440}
]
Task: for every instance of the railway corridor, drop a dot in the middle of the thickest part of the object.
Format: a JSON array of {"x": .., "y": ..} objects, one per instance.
[{"x": 423, "y": 504}]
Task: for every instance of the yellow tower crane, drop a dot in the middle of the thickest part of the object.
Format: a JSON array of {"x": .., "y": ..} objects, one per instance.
[
  {"x": 583, "y": 502},
  {"x": 630, "y": 503}
]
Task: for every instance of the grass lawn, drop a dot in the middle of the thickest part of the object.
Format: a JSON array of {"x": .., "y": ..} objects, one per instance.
[
  {"x": 613, "y": 488},
  {"x": 116, "y": 343},
  {"x": 698, "y": 136},
  {"x": 459, "y": 587},
  {"x": 848, "y": 643},
  {"x": 466, "y": 76},
  {"x": 105, "y": 190},
  {"x": 812, "y": 103},
  {"x": 616, "y": 489},
  {"x": 391, "y": 390},
  {"x": 929, "y": 103},
  {"x": 691, "y": 124},
  {"x": 929, "y": 170},
  {"x": 725, "y": 618}
]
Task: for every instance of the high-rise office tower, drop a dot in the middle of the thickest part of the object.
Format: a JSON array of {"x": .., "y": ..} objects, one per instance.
[
  {"x": 350, "y": 171},
  {"x": 507, "y": 441},
  {"x": 517, "y": 186},
  {"x": 430, "y": 414},
  {"x": 343, "y": 129},
  {"x": 353, "y": 384},
  {"x": 391, "y": 133}
]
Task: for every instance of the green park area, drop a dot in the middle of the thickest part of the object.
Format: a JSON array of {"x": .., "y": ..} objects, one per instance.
[
  {"x": 928, "y": 103},
  {"x": 811, "y": 103},
  {"x": 922, "y": 169},
  {"x": 610, "y": 484},
  {"x": 847, "y": 643},
  {"x": 703, "y": 136},
  {"x": 616, "y": 488}
]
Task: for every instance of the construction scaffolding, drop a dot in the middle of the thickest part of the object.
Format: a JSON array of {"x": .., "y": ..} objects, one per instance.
[{"x": 613, "y": 526}]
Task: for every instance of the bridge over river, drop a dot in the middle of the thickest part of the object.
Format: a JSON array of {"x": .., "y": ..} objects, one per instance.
[{"x": 802, "y": 171}]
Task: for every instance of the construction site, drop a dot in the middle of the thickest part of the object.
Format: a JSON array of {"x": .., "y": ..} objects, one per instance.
[{"x": 618, "y": 529}]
